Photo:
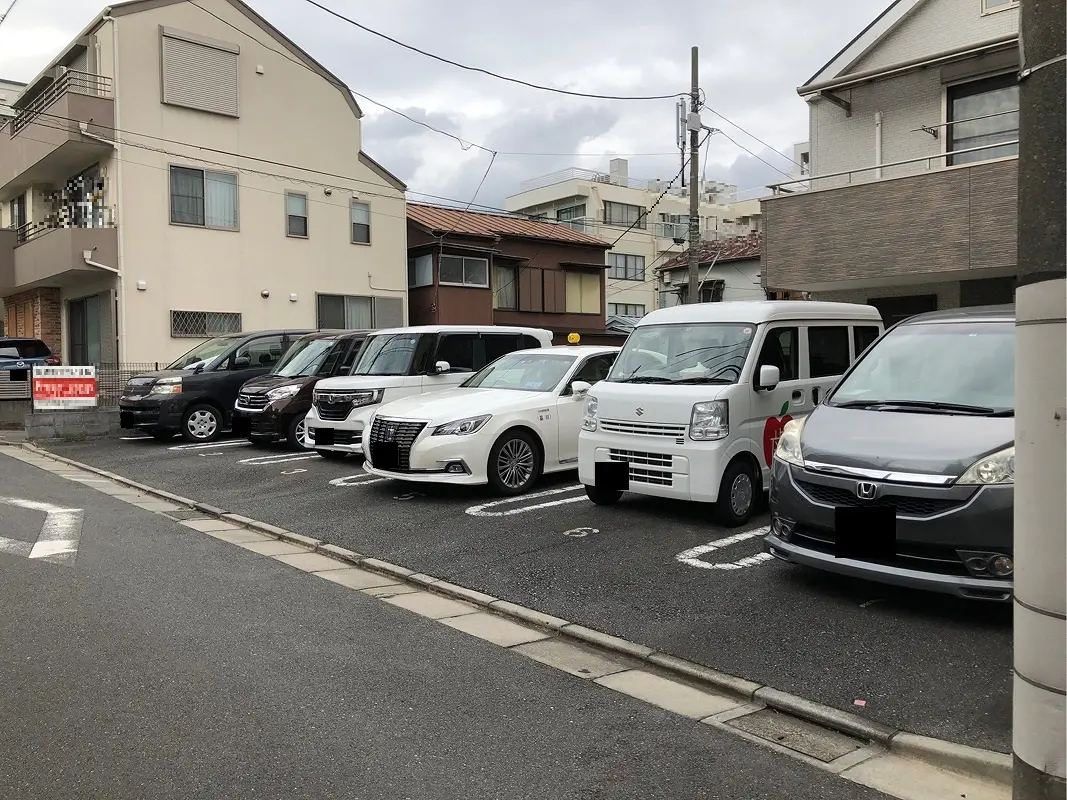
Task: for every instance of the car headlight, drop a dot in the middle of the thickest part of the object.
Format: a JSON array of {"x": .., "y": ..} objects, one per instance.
[
  {"x": 589, "y": 413},
  {"x": 710, "y": 421},
  {"x": 282, "y": 392},
  {"x": 167, "y": 386},
  {"x": 997, "y": 468},
  {"x": 788, "y": 447},
  {"x": 462, "y": 427},
  {"x": 358, "y": 398}
]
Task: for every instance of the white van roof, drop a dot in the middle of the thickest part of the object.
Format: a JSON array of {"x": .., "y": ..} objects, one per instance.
[
  {"x": 535, "y": 332},
  {"x": 758, "y": 311}
]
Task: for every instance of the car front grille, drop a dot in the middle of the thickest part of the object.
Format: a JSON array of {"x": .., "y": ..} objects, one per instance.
[
  {"x": 643, "y": 428},
  {"x": 391, "y": 441},
  {"x": 333, "y": 412},
  {"x": 651, "y": 468},
  {"x": 908, "y": 555},
  {"x": 252, "y": 402},
  {"x": 905, "y": 505}
]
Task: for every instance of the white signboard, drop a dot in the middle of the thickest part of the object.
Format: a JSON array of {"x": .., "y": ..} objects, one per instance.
[{"x": 64, "y": 388}]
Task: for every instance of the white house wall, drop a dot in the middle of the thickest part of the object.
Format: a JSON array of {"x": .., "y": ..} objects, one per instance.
[{"x": 289, "y": 115}]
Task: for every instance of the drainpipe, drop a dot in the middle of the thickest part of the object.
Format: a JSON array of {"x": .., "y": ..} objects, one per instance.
[
  {"x": 120, "y": 342},
  {"x": 878, "y": 144}
]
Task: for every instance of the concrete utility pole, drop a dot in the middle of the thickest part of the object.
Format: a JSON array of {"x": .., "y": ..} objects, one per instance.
[
  {"x": 1040, "y": 604},
  {"x": 693, "y": 124}
]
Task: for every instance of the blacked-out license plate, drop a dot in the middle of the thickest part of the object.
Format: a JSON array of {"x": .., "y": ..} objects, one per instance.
[{"x": 867, "y": 533}]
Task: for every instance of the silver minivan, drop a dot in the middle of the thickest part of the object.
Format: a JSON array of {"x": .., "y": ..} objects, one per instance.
[{"x": 905, "y": 473}]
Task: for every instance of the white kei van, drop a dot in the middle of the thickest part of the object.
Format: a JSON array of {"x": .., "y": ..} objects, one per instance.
[
  {"x": 399, "y": 362},
  {"x": 694, "y": 404}
]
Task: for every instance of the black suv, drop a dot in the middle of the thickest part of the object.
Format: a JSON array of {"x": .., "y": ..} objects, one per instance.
[
  {"x": 274, "y": 406},
  {"x": 195, "y": 395}
]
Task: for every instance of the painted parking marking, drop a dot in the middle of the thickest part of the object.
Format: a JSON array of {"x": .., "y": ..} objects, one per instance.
[
  {"x": 277, "y": 458},
  {"x": 692, "y": 556},
  {"x": 483, "y": 509},
  {"x": 209, "y": 445},
  {"x": 57, "y": 541},
  {"x": 580, "y": 533},
  {"x": 362, "y": 479}
]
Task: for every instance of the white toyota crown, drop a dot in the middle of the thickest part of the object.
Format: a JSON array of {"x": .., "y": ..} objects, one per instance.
[{"x": 505, "y": 426}]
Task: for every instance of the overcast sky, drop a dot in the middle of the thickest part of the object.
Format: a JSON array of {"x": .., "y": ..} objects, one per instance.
[{"x": 753, "y": 55}]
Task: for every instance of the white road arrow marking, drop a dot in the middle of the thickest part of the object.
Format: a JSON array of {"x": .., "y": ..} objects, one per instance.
[
  {"x": 692, "y": 556},
  {"x": 278, "y": 458},
  {"x": 362, "y": 479},
  {"x": 57, "y": 542},
  {"x": 210, "y": 445}
]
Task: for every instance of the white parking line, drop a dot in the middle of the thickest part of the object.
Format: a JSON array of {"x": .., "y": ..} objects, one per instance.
[
  {"x": 362, "y": 479},
  {"x": 480, "y": 510},
  {"x": 277, "y": 458},
  {"x": 692, "y": 556},
  {"x": 210, "y": 445}
]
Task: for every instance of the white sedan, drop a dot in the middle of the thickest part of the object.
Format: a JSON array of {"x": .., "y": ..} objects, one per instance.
[{"x": 506, "y": 425}]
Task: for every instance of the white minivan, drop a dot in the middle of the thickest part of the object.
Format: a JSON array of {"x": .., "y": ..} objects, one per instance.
[
  {"x": 400, "y": 362},
  {"x": 694, "y": 405}
]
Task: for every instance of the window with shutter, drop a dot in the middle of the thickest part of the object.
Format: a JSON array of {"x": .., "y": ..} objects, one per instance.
[{"x": 199, "y": 73}]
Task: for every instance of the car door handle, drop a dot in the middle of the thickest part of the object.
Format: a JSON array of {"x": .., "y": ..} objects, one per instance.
[
  {"x": 815, "y": 395},
  {"x": 797, "y": 394}
]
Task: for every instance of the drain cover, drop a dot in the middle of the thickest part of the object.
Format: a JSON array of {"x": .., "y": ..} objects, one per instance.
[{"x": 796, "y": 734}]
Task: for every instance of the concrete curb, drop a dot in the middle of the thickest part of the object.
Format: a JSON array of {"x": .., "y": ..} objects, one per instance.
[{"x": 937, "y": 752}]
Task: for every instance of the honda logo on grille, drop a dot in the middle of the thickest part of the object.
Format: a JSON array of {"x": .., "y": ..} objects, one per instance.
[
  {"x": 640, "y": 411},
  {"x": 866, "y": 491}
]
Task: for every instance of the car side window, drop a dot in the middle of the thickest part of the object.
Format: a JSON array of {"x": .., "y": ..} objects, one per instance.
[
  {"x": 458, "y": 350},
  {"x": 530, "y": 342},
  {"x": 354, "y": 349},
  {"x": 264, "y": 352},
  {"x": 780, "y": 350},
  {"x": 329, "y": 364},
  {"x": 863, "y": 336},
  {"x": 595, "y": 368},
  {"x": 827, "y": 350},
  {"x": 498, "y": 344}
]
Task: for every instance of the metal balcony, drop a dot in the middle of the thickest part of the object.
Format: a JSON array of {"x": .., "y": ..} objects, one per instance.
[{"x": 45, "y": 255}]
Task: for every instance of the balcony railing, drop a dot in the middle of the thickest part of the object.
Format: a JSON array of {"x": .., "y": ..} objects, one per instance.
[
  {"x": 579, "y": 174},
  {"x": 71, "y": 81},
  {"x": 98, "y": 218},
  {"x": 779, "y": 188}
]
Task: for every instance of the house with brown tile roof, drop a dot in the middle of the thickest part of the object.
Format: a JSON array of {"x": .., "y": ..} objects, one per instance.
[{"x": 478, "y": 268}]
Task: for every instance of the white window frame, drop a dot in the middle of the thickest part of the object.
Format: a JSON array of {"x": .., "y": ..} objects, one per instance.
[
  {"x": 464, "y": 260},
  {"x": 204, "y": 173},
  {"x": 987, "y": 9},
  {"x": 946, "y": 112},
  {"x": 351, "y": 222},
  {"x": 306, "y": 215},
  {"x": 613, "y": 309},
  {"x": 414, "y": 263}
]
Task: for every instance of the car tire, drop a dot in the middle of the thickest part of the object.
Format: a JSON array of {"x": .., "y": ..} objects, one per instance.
[
  {"x": 161, "y": 434},
  {"x": 202, "y": 423},
  {"x": 602, "y": 496},
  {"x": 737, "y": 494},
  {"x": 514, "y": 463},
  {"x": 294, "y": 434},
  {"x": 331, "y": 455}
]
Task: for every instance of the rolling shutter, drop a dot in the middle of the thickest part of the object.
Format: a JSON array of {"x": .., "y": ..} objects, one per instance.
[{"x": 200, "y": 76}]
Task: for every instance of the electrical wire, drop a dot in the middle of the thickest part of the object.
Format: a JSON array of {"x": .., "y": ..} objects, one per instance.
[
  {"x": 747, "y": 133},
  {"x": 7, "y": 13},
  {"x": 496, "y": 75},
  {"x": 758, "y": 158}
]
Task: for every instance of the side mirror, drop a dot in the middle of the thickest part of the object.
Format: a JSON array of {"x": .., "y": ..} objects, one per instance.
[
  {"x": 769, "y": 377},
  {"x": 580, "y": 388},
  {"x": 441, "y": 367},
  {"x": 241, "y": 362}
]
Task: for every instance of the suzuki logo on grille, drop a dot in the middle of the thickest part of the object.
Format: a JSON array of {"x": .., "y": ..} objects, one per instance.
[
  {"x": 640, "y": 411},
  {"x": 866, "y": 491}
]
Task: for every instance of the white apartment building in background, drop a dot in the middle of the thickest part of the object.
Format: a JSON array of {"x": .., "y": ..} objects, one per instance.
[
  {"x": 140, "y": 212},
  {"x": 605, "y": 204}
]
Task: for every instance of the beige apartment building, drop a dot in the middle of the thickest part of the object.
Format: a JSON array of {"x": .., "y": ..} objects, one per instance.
[
  {"x": 911, "y": 201},
  {"x": 184, "y": 170},
  {"x": 607, "y": 204}
]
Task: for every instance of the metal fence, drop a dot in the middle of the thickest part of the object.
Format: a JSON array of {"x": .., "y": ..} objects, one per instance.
[{"x": 111, "y": 379}]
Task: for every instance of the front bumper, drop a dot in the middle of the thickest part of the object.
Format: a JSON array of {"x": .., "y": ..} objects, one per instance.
[
  {"x": 934, "y": 524},
  {"x": 270, "y": 422},
  {"x": 162, "y": 412},
  {"x": 657, "y": 465},
  {"x": 342, "y": 436},
  {"x": 458, "y": 460}
]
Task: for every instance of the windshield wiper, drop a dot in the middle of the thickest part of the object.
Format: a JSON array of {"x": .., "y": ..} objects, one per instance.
[
  {"x": 645, "y": 379},
  {"x": 703, "y": 380},
  {"x": 925, "y": 405}
]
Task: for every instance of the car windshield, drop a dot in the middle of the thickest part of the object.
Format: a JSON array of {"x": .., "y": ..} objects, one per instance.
[
  {"x": 958, "y": 367},
  {"x": 712, "y": 352},
  {"x": 387, "y": 354},
  {"x": 523, "y": 372},
  {"x": 304, "y": 358},
  {"x": 205, "y": 353}
]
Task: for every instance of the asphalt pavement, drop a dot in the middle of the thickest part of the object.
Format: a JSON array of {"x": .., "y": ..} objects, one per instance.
[{"x": 658, "y": 573}]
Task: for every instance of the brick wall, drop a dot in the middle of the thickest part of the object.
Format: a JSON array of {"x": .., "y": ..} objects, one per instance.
[{"x": 38, "y": 313}]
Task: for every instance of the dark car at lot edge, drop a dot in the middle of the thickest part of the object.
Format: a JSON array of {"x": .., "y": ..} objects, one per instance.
[
  {"x": 18, "y": 356},
  {"x": 195, "y": 395},
  {"x": 905, "y": 473},
  {"x": 273, "y": 406}
]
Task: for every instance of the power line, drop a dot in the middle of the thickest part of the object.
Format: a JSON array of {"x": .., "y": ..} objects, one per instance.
[
  {"x": 496, "y": 75},
  {"x": 6, "y": 13},
  {"x": 750, "y": 135},
  {"x": 758, "y": 158}
]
